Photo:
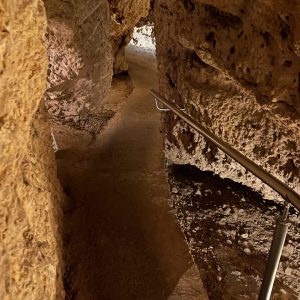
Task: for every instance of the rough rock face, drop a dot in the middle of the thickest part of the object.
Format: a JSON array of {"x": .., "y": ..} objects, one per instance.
[
  {"x": 80, "y": 57},
  {"x": 86, "y": 43},
  {"x": 234, "y": 65},
  {"x": 30, "y": 262},
  {"x": 125, "y": 15}
]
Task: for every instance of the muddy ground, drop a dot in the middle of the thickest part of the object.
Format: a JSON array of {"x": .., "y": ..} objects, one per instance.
[{"x": 229, "y": 229}]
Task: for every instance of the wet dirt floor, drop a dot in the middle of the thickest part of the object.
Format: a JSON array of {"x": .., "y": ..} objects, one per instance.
[
  {"x": 229, "y": 228},
  {"x": 121, "y": 237}
]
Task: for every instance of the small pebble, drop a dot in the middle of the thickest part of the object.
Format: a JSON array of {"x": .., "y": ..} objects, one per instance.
[
  {"x": 289, "y": 249},
  {"x": 229, "y": 242},
  {"x": 247, "y": 251},
  {"x": 227, "y": 212},
  {"x": 236, "y": 273},
  {"x": 288, "y": 271},
  {"x": 174, "y": 190},
  {"x": 244, "y": 236},
  {"x": 198, "y": 193},
  {"x": 222, "y": 221}
]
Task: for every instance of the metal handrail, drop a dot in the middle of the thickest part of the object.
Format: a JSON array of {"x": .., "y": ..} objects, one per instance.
[
  {"x": 281, "y": 188},
  {"x": 164, "y": 109}
]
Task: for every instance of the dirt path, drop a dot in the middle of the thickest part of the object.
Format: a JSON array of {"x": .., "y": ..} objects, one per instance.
[{"x": 122, "y": 240}]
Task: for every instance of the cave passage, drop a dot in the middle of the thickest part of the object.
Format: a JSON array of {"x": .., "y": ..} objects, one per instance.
[
  {"x": 121, "y": 238},
  {"x": 132, "y": 203}
]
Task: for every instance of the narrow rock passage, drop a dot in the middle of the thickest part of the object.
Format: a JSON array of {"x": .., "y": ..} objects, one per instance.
[{"x": 122, "y": 240}]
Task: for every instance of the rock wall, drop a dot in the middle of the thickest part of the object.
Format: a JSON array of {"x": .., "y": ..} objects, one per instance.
[
  {"x": 30, "y": 261},
  {"x": 234, "y": 66},
  {"x": 125, "y": 14},
  {"x": 86, "y": 44},
  {"x": 80, "y": 58}
]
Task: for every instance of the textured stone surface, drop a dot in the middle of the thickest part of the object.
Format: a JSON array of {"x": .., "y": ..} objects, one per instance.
[
  {"x": 125, "y": 14},
  {"x": 80, "y": 57},
  {"x": 30, "y": 262},
  {"x": 235, "y": 66},
  {"x": 86, "y": 43}
]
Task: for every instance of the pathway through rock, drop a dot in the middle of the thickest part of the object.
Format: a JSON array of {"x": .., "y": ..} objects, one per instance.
[{"x": 121, "y": 238}]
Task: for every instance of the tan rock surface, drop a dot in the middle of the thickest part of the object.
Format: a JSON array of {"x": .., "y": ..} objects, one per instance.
[
  {"x": 30, "y": 262},
  {"x": 125, "y": 14},
  {"x": 80, "y": 57},
  {"x": 235, "y": 67},
  {"x": 86, "y": 43}
]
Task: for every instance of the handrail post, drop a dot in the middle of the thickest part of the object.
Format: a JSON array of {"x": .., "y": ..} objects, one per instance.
[{"x": 275, "y": 254}]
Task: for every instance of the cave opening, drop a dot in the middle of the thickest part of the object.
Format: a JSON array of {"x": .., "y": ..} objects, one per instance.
[{"x": 143, "y": 37}]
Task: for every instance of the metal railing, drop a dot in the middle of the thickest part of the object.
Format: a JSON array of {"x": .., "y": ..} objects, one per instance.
[{"x": 289, "y": 195}]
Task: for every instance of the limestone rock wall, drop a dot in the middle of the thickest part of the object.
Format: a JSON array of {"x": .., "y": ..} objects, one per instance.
[
  {"x": 125, "y": 14},
  {"x": 80, "y": 57},
  {"x": 86, "y": 43},
  {"x": 30, "y": 196},
  {"x": 234, "y": 66}
]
